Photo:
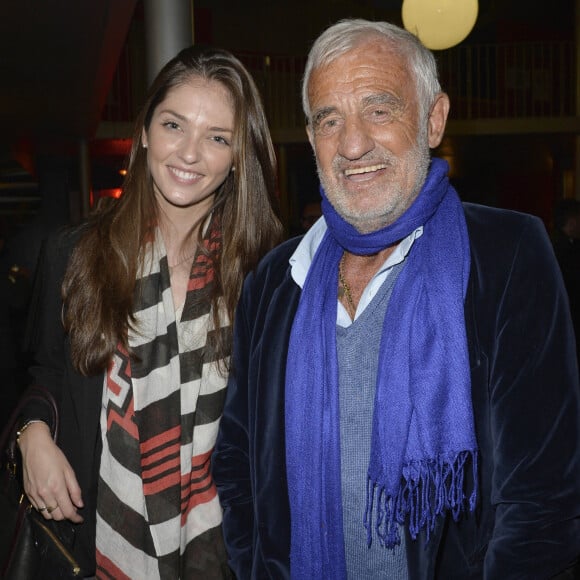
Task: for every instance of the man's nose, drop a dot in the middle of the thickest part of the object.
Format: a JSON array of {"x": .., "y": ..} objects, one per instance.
[{"x": 355, "y": 139}]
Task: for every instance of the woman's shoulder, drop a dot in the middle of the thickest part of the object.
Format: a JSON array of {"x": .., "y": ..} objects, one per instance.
[{"x": 62, "y": 241}]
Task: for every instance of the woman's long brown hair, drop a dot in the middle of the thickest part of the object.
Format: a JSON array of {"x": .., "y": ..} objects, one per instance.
[{"x": 99, "y": 284}]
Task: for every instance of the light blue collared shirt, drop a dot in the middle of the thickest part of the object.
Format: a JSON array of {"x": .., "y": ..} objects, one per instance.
[{"x": 301, "y": 260}]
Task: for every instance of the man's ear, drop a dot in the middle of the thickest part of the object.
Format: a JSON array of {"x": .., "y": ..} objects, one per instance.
[
  {"x": 310, "y": 134},
  {"x": 438, "y": 119}
]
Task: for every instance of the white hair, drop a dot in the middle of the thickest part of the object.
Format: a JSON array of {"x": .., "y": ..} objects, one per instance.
[{"x": 347, "y": 34}]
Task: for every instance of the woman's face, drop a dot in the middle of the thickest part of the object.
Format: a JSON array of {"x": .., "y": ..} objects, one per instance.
[{"x": 189, "y": 145}]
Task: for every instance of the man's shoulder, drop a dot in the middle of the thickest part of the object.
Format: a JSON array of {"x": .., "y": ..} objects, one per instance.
[
  {"x": 272, "y": 277},
  {"x": 494, "y": 225},
  {"x": 501, "y": 240},
  {"x": 489, "y": 216},
  {"x": 277, "y": 259}
]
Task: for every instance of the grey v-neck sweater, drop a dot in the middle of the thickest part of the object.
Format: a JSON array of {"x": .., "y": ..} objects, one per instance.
[{"x": 358, "y": 351}]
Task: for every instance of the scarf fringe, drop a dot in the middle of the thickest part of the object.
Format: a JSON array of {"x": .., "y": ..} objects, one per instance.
[{"x": 429, "y": 488}]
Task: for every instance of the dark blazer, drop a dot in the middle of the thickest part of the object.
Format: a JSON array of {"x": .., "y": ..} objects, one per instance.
[
  {"x": 78, "y": 397},
  {"x": 526, "y": 400},
  {"x": 567, "y": 252}
]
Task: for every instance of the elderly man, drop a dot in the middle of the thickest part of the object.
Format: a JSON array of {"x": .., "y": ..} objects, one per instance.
[{"x": 404, "y": 400}]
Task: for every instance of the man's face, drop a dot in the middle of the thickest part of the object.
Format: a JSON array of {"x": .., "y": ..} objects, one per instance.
[{"x": 372, "y": 150}]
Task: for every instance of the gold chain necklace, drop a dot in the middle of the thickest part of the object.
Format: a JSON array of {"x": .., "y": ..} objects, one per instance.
[{"x": 344, "y": 289}]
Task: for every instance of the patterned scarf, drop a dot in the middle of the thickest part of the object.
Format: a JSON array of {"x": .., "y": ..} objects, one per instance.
[
  {"x": 423, "y": 435},
  {"x": 158, "y": 514}
]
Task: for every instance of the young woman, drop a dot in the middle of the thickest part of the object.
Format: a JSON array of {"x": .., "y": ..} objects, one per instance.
[{"x": 132, "y": 322}]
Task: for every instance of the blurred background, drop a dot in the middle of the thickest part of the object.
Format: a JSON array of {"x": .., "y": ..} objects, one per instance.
[{"x": 73, "y": 74}]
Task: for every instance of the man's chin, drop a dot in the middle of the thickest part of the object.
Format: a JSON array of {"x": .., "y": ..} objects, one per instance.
[{"x": 366, "y": 224}]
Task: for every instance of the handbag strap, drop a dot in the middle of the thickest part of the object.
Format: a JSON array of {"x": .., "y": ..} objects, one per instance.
[{"x": 34, "y": 393}]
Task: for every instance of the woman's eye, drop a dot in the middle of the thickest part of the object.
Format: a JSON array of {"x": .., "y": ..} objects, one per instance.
[
  {"x": 171, "y": 125},
  {"x": 220, "y": 139}
]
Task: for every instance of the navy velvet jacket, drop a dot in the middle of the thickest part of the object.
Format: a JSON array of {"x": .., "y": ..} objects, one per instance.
[{"x": 526, "y": 401}]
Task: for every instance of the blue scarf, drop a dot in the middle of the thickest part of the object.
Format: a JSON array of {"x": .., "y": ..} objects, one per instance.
[{"x": 423, "y": 435}]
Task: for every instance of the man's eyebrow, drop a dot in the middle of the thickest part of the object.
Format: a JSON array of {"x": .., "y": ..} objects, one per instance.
[
  {"x": 388, "y": 99},
  {"x": 320, "y": 114},
  {"x": 383, "y": 99}
]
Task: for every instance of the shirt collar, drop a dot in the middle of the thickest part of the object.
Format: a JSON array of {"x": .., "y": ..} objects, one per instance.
[{"x": 303, "y": 255}]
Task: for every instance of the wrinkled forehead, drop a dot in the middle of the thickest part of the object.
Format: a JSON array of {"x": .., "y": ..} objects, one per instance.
[
  {"x": 357, "y": 43},
  {"x": 372, "y": 66}
]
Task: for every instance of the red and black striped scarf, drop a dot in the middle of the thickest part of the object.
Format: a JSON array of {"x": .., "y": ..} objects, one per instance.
[{"x": 158, "y": 514}]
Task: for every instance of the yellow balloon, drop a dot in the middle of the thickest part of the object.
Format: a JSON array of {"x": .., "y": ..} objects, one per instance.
[{"x": 439, "y": 24}]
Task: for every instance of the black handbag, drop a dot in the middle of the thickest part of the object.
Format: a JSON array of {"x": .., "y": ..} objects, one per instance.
[{"x": 31, "y": 547}]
